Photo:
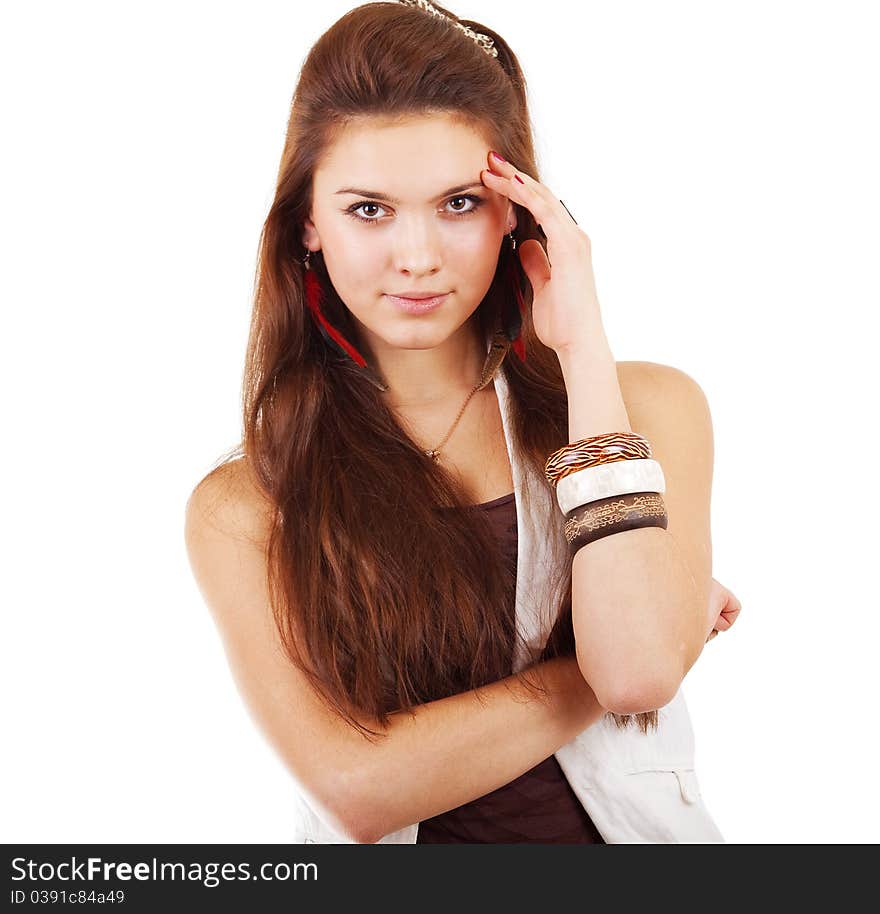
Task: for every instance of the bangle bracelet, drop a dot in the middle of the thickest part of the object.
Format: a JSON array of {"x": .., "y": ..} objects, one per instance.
[
  {"x": 608, "y": 479},
  {"x": 614, "y": 515},
  {"x": 598, "y": 449}
]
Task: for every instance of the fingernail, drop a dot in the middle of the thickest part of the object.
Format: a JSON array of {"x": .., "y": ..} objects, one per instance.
[
  {"x": 500, "y": 158},
  {"x": 518, "y": 178}
]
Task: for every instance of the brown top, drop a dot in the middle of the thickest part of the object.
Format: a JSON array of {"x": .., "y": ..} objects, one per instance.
[{"x": 538, "y": 807}]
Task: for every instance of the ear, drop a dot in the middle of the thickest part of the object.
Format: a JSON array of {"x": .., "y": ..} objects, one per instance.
[
  {"x": 310, "y": 237},
  {"x": 511, "y": 217}
]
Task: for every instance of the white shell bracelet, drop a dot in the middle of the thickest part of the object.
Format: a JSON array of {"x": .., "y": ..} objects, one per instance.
[{"x": 620, "y": 477}]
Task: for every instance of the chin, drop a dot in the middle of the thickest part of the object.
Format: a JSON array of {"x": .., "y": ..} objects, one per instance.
[{"x": 419, "y": 338}]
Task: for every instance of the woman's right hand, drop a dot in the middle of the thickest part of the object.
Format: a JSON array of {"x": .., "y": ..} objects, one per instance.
[{"x": 723, "y": 610}]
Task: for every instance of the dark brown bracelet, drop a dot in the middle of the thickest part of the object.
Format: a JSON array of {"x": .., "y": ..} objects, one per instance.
[{"x": 616, "y": 514}]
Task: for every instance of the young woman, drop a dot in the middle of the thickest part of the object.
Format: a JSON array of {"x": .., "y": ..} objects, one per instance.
[{"x": 463, "y": 562}]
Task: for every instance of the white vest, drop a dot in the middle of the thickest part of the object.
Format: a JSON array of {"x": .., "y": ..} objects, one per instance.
[{"x": 635, "y": 787}]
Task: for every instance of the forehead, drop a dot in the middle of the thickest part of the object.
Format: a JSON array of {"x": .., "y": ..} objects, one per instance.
[{"x": 410, "y": 159}]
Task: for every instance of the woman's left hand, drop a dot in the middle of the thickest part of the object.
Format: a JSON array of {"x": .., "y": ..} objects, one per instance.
[{"x": 565, "y": 309}]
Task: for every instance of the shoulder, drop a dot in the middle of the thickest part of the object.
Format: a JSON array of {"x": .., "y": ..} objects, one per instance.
[
  {"x": 670, "y": 409},
  {"x": 229, "y": 502},
  {"x": 652, "y": 386}
]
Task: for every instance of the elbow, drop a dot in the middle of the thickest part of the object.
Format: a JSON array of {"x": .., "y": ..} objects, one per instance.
[
  {"x": 629, "y": 684},
  {"x": 362, "y": 796},
  {"x": 358, "y": 832},
  {"x": 641, "y": 700},
  {"x": 353, "y": 826},
  {"x": 355, "y": 809},
  {"x": 635, "y": 694},
  {"x": 361, "y": 830}
]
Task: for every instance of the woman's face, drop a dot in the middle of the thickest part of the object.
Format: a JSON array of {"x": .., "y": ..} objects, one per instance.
[{"x": 400, "y": 208}]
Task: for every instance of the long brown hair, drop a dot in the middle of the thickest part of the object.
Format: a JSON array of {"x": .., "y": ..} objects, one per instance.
[{"x": 384, "y": 597}]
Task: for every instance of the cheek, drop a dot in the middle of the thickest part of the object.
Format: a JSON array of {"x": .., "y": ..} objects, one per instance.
[
  {"x": 352, "y": 258},
  {"x": 478, "y": 244}
]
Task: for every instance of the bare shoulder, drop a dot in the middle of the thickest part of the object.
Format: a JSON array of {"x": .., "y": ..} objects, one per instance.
[
  {"x": 654, "y": 386},
  {"x": 226, "y": 533},
  {"x": 229, "y": 502}
]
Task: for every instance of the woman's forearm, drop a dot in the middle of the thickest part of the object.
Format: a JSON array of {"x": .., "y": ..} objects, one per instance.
[
  {"x": 454, "y": 750},
  {"x": 635, "y": 604}
]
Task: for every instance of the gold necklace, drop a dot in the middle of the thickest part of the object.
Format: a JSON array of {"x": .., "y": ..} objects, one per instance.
[{"x": 500, "y": 345}]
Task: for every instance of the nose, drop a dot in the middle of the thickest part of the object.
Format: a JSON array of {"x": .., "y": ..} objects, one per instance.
[{"x": 417, "y": 249}]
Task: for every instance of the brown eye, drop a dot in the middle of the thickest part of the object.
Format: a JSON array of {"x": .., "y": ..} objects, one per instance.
[
  {"x": 353, "y": 211},
  {"x": 476, "y": 201}
]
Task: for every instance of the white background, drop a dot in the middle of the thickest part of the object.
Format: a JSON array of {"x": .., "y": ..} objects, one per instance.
[{"x": 723, "y": 159}]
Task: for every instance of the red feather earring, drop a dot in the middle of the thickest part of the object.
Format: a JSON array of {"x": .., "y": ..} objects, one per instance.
[
  {"x": 314, "y": 300},
  {"x": 515, "y": 313},
  {"x": 314, "y": 294}
]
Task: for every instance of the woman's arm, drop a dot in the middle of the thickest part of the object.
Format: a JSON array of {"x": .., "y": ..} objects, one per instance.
[
  {"x": 451, "y": 751},
  {"x": 639, "y": 596},
  {"x": 444, "y": 754}
]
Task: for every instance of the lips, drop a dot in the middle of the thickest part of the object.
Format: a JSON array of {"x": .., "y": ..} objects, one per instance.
[
  {"x": 416, "y": 296},
  {"x": 418, "y": 305}
]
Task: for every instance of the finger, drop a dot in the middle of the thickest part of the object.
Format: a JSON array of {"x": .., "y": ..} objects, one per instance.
[
  {"x": 557, "y": 230},
  {"x": 535, "y": 263},
  {"x": 733, "y": 600},
  {"x": 729, "y": 617},
  {"x": 712, "y": 634},
  {"x": 732, "y": 607},
  {"x": 726, "y": 618},
  {"x": 506, "y": 170},
  {"x": 550, "y": 213}
]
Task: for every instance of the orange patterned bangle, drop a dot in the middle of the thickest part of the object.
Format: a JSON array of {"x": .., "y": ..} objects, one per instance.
[
  {"x": 589, "y": 452},
  {"x": 616, "y": 514}
]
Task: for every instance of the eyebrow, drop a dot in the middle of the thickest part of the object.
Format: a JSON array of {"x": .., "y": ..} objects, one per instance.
[{"x": 378, "y": 195}]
